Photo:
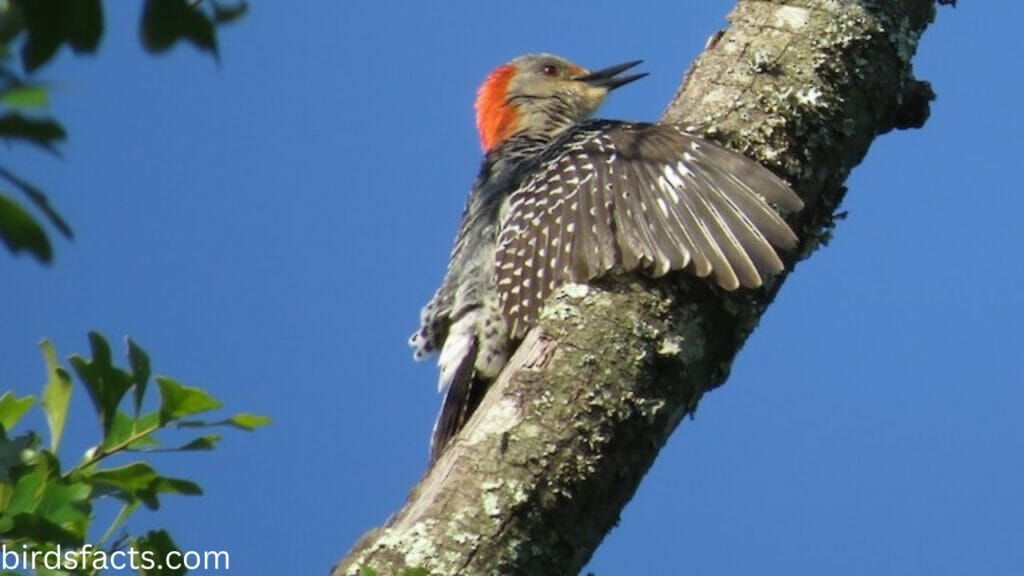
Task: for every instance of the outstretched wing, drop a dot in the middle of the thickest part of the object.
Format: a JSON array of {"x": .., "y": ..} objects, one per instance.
[{"x": 648, "y": 197}]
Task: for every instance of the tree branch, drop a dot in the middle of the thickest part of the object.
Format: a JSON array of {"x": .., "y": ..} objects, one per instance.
[{"x": 560, "y": 443}]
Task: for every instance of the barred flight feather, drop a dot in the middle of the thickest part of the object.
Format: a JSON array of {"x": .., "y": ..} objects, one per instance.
[{"x": 632, "y": 196}]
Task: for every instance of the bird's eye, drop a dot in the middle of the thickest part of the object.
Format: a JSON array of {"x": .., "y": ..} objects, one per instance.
[{"x": 550, "y": 70}]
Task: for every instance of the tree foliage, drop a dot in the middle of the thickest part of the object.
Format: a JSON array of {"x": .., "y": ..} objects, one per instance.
[
  {"x": 46, "y": 508},
  {"x": 39, "y": 29},
  {"x": 49, "y": 510}
]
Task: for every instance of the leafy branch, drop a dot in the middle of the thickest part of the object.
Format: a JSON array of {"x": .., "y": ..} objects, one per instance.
[
  {"x": 41, "y": 28},
  {"x": 44, "y": 508}
]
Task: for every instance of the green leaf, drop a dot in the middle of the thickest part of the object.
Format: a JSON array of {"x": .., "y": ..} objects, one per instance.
[
  {"x": 12, "y": 409},
  {"x": 12, "y": 456},
  {"x": 367, "y": 571},
  {"x": 158, "y": 544},
  {"x": 105, "y": 383},
  {"x": 65, "y": 504},
  {"x": 139, "y": 362},
  {"x": 84, "y": 24},
  {"x": 139, "y": 481},
  {"x": 32, "y": 527},
  {"x": 161, "y": 484},
  {"x": 56, "y": 394},
  {"x": 127, "y": 433},
  {"x": 177, "y": 486},
  {"x": 11, "y": 25},
  {"x": 6, "y": 489},
  {"x": 25, "y": 96},
  {"x": 40, "y": 201},
  {"x": 28, "y": 490},
  {"x": 164, "y": 22},
  {"x": 144, "y": 428},
  {"x": 43, "y": 132},
  {"x": 51, "y": 23},
  {"x": 122, "y": 428},
  {"x": 131, "y": 478},
  {"x": 178, "y": 401},
  {"x": 208, "y": 442},
  {"x": 19, "y": 231},
  {"x": 248, "y": 422}
]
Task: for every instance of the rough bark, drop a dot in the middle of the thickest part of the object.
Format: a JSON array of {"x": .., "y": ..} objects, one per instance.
[{"x": 559, "y": 445}]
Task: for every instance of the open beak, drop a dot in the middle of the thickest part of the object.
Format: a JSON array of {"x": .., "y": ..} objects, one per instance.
[{"x": 608, "y": 77}]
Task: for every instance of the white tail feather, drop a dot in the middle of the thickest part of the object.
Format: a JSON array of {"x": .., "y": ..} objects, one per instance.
[{"x": 456, "y": 349}]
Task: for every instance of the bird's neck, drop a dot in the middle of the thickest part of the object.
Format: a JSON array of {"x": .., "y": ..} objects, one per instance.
[
  {"x": 526, "y": 122},
  {"x": 513, "y": 151},
  {"x": 543, "y": 118}
]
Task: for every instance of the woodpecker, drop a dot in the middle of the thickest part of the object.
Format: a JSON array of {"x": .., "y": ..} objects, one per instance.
[{"x": 564, "y": 198}]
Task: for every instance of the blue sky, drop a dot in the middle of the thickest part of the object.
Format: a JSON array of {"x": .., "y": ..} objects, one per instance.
[{"x": 268, "y": 229}]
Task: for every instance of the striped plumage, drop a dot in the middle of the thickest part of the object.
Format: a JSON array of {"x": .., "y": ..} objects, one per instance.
[{"x": 564, "y": 199}]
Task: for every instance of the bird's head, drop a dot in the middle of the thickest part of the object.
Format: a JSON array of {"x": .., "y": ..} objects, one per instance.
[{"x": 541, "y": 95}]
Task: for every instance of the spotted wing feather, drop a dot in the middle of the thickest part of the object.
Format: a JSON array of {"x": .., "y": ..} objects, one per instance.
[{"x": 645, "y": 197}]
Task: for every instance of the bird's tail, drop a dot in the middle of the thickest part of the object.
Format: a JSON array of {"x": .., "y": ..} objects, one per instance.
[{"x": 462, "y": 387}]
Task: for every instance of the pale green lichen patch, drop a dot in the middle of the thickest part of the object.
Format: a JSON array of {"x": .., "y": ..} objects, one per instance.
[
  {"x": 517, "y": 492},
  {"x": 578, "y": 291},
  {"x": 671, "y": 345},
  {"x": 764, "y": 61},
  {"x": 497, "y": 494},
  {"x": 489, "y": 501},
  {"x": 457, "y": 533},
  {"x": 684, "y": 338},
  {"x": 791, "y": 17},
  {"x": 415, "y": 544},
  {"x": 810, "y": 96},
  {"x": 648, "y": 330},
  {"x": 563, "y": 305},
  {"x": 650, "y": 409},
  {"x": 528, "y": 431}
]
